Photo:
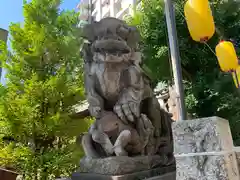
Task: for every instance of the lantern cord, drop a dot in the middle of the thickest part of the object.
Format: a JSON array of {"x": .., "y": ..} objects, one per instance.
[
  {"x": 180, "y": 11},
  {"x": 210, "y": 48},
  {"x": 217, "y": 29},
  {"x": 185, "y": 19},
  {"x": 237, "y": 82}
]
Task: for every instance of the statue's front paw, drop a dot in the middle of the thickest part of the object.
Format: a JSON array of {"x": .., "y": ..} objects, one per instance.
[
  {"x": 127, "y": 111},
  {"x": 145, "y": 129},
  {"x": 119, "y": 151},
  {"x": 109, "y": 149}
]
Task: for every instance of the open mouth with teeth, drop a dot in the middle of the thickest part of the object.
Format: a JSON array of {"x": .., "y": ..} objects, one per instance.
[{"x": 110, "y": 46}]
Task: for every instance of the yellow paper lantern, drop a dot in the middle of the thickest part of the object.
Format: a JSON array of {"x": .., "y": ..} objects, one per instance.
[
  {"x": 236, "y": 77},
  {"x": 227, "y": 57},
  {"x": 199, "y": 19}
]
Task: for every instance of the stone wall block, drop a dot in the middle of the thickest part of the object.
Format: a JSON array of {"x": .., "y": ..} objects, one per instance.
[
  {"x": 221, "y": 166},
  {"x": 202, "y": 135}
]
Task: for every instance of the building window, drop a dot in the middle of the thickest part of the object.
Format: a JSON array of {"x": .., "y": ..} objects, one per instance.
[
  {"x": 94, "y": 6},
  {"x": 106, "y": 3}
]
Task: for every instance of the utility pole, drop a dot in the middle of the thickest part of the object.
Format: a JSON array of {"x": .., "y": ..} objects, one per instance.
[
  {"x": 90, "y": 11},
  {"x": 175, "y": 57}
]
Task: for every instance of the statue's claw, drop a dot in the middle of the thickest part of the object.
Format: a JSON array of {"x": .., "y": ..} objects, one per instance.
[
  {"x": 128, "y": 111},
  {"x": 146, "y": 131},
  {"x": 145, "y": 126},
  {"x": 135, "y": 109},
  {"x": 118, "y": 110}
]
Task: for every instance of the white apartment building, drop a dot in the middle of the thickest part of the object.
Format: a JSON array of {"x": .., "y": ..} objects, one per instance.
[{"x": 105, "y": 8}]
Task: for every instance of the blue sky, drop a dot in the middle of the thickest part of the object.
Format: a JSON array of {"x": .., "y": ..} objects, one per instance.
[{"x": 11, "y": 11}]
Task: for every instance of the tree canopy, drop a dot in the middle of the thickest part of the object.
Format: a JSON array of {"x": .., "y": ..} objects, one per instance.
[
  {"x": 208, "y": 91},
  {"x": 44, "y": 82}
]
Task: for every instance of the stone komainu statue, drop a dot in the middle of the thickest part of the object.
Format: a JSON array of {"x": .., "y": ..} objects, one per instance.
[{"x": 128, "y": 118}]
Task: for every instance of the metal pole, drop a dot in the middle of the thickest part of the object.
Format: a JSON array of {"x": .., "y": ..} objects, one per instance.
[
  {"x": 175, "y": 57},
  {"x": 90, "y": 11}
]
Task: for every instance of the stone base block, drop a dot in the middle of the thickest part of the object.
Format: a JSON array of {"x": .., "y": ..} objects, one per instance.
[
  {"x": 119, "y": 165},
  {"x": 212, "y": 166},
  {"x": 237, "y": 151},
  {"x": 202, "y": 135},
  {"x": 161, "y": 173},
  {"x": 168, "y": 176}
]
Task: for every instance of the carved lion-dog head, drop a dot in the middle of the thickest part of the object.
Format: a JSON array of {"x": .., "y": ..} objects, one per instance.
[{"x": 112, "y": 40}]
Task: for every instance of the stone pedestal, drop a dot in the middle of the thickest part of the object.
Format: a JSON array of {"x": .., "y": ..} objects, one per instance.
[
  {"x": 237, "y": 151},
  {"x": 204, "y": 150},
  {"x": 161, "y": 173},
  {"x": 124, "y": 168}
]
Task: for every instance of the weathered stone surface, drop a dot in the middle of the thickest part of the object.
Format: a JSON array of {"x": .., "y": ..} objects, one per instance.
[
  {"x": 120, "y": 165},
  {"x": 237, "y": 152},
  {"x": 168, "y": 176},
  {"x": 207, "y": 167},
  {"x": 202, "y": 135},
  {"x": 161, "y": 173},
  {"x": 204, "y": 150},
  {"x": 116, "y": 83}
]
